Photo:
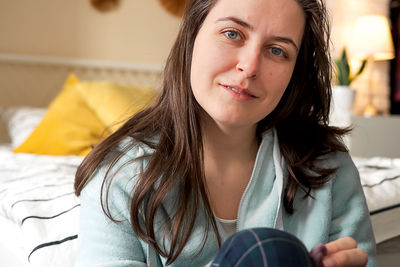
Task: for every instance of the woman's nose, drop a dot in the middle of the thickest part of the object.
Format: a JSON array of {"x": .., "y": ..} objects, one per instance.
[{"x": 249, "y": 62}]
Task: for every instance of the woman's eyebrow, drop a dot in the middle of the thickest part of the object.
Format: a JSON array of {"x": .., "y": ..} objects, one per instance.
[
  {"x": 286, "y": 40},
  {"x": 250, "y": 27},
  {"x": 237, "y": 21}
]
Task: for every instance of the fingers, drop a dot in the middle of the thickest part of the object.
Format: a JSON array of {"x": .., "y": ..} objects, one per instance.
[
  {"x": 346, "y": 258},
  {"x": 344, "y": 252},
  {"x": 340, "y": 244}
]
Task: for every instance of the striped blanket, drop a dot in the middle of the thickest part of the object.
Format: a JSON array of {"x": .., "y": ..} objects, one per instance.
[{"x": 36, "y": 194}]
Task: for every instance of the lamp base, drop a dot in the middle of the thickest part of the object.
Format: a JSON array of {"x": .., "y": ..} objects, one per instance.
[{"x": 370, "y": 110}]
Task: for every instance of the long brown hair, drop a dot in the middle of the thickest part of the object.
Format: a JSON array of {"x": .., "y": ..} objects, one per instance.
[{"x": 301, "y": 121}]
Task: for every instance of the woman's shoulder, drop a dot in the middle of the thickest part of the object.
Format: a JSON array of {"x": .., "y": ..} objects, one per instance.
[
  {"x": 338, "y": 160},
  {"x": 130, "y": 149},
  {"x": 120, "y": 168},
  {"x": 346, "y": 176},
  {"x": 129, "y": 155}
]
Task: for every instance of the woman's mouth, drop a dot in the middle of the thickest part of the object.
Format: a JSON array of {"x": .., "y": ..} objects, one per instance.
[{"x": 239, "y": 90}]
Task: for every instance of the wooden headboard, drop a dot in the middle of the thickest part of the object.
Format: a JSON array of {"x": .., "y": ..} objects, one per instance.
[{"x": 35, "y": 80}]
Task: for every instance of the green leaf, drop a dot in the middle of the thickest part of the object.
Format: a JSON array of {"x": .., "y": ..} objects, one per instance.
[
  {"x": 342, "y": 74},
  {"x": 360, "y": 70},
  {"x": 363, "y": 64},
  {"x": 345, "y": 62}
]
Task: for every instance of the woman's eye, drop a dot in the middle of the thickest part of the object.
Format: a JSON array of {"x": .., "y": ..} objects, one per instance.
[
  {"x": 277, "y": 51},
  {"x": 232, "y": 34}
]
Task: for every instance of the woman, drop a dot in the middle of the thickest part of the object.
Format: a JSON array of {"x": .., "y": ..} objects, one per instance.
[{"x": 237, "y": 139}]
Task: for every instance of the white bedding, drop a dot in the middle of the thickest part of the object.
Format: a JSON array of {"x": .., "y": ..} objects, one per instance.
[
  {"x": 39, "y": 213},
  {"x": 36, "y": 195},
  {"x": 380, "y": 178},
  {"x": 11, "y": 244}
]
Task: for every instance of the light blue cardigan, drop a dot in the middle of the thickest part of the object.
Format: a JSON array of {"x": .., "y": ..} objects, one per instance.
[{"x": 337, "y": 209}]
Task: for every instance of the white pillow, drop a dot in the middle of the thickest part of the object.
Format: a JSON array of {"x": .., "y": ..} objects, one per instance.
[{"x": 20, "y": 122}]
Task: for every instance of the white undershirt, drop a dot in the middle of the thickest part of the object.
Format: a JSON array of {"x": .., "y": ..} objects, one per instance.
[{"x": 228, "y": 227}]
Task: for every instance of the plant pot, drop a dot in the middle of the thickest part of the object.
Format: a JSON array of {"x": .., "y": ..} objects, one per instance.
[
  {"x": 341, "y": 105},
  {"x": 343, "y": 97}
]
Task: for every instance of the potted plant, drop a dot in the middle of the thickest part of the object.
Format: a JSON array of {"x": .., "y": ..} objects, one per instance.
[
  {"x": 342, "y": 93},
  {"x": 344, "y": 77}
]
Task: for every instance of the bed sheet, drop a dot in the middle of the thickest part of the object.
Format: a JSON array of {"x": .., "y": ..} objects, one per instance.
[
  {"x": 380, "y": 178},
  {"x": 37, "y": 196},
  {"x": 11, "y": 249}
]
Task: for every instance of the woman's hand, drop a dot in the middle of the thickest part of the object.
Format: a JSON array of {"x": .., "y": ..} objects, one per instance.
[{"x": 344, "y": 252}]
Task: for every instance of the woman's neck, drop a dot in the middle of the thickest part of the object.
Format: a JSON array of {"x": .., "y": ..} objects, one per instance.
[
  {"x": 229, "y": 144},
  {"x": 229, "y": 156}
]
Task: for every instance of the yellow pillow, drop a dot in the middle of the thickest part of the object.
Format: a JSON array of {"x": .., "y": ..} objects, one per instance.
[
  {"x": 69, "y": 127},
  {"x": 114, "y": 103}
]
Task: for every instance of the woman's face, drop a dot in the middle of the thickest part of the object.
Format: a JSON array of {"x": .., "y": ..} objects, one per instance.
[{"x": 243, "y": 58}]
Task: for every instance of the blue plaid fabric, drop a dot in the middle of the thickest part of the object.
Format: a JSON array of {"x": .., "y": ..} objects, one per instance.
[{"x": 262, "y": 247}]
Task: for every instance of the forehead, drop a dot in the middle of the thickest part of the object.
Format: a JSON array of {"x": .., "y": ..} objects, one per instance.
[{"x": 275, "y": 17}]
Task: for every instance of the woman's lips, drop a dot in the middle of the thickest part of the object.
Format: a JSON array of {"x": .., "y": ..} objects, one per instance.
[{"x": 238, "y": 90}]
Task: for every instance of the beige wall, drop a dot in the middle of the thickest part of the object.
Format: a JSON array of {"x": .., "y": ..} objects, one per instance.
[{"x": 138, "y": 31}]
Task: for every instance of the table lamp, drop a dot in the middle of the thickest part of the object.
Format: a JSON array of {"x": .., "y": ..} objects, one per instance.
[{"x": 372, "y": 40}]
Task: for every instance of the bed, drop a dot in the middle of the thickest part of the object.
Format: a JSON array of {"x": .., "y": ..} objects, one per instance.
[{"x": 38, "y": 210}]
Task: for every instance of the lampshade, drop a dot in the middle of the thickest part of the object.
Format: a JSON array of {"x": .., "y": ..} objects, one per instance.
[{"x": 372, "y": 38}]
